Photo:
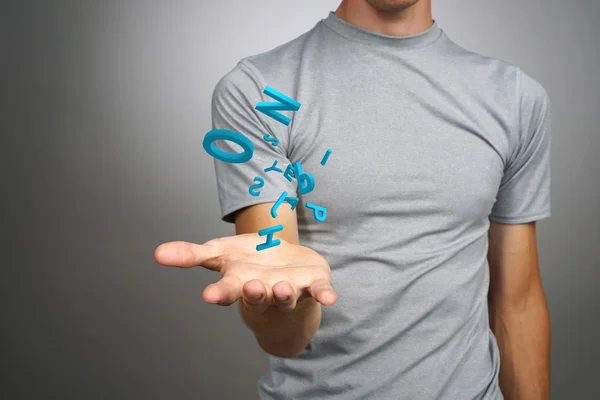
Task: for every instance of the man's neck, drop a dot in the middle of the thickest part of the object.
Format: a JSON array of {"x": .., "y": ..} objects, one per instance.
[{"x": 410, "y": 21}]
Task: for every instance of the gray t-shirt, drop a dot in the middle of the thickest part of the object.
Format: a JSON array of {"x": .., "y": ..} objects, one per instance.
[{"x": 429, "y": 143}]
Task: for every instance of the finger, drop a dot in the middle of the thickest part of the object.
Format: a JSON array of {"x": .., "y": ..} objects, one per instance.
[
  {"x": 186, "y": 255},
  {"x": 284, "y": 296},
  {"x": 224, "y": 292},
  {"x": 255, "y": 296},
  {"x": 323, "y": 292}
]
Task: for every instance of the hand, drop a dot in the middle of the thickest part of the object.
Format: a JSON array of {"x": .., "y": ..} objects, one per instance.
[{"x": 279, "y": 276}]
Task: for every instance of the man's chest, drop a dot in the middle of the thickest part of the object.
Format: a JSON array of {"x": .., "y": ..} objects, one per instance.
[{"x": 411, "y": 160}]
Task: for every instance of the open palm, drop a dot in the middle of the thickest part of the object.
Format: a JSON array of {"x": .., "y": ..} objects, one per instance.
[{"x": 276, "y": 277}]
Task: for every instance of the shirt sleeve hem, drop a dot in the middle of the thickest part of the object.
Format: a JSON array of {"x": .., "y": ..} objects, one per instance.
[
  {"x": 520, "y": 219},
  {"x": 227, "y": 214}
]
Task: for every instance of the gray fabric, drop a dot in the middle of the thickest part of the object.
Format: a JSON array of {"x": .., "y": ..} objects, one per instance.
[{"x": 428, "y": 141}]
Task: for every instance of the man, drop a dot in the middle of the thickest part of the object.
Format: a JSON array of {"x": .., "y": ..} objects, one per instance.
[{"x": 438, "y": 172}]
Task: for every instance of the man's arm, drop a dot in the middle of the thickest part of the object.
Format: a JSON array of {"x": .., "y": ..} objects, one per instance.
[
  {"x": 518, "y": 312},
  {"x": 280, "y": 333}
]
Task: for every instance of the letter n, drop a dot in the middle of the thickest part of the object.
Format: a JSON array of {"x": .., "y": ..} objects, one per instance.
[{"x": 283, "y": 103}]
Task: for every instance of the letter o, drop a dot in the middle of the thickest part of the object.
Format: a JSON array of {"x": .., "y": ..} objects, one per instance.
[{"x": 236, "y": 137}]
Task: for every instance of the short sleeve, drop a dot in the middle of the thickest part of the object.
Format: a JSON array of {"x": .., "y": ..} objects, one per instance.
[
  {"x": 524, "y": 192},
  {"x": 233, "y": 108}
]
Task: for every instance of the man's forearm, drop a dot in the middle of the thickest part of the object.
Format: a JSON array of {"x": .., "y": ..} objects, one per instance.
[
  {"x": 523, "y": 336},
  {"x": 284, "y": 334}
]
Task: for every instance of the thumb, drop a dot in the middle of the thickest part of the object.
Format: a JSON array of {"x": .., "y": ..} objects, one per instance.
[
  {"x": 323, "y": 292},
  {"x": 186, "y": 255}
]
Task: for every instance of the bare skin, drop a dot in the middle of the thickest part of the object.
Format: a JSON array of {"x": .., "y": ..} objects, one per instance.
[
  {"x": 518, "y": 311},
  {"x": 280, "y": 291},
  {"x": 388, "y": 17},
  {"x": 280, "y": 275}
]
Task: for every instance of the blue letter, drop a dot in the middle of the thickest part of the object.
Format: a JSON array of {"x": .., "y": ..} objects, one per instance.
[
  {"x": 306, "y": 182},
  {"x": 293, "y": 201},
  {"x": 261, "y": 183},
  {"x": 326, "y": 157},
  {"x": 270, "y": 242},
  {"x": 224, "y": 134},
  {"x": 267, "y": 138},
  {"x": 316, "y": 209},
  {"x": 273, "y": 168},
  {"x": 289, "y": 172},
  {"x": 277, "y": 204},
  {"x": 283, "y": 103}
]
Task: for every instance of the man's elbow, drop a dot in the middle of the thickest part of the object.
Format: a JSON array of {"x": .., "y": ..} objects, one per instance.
[
  {"x": 519, "y": 303},
  {"x": 283, "y": 350}
]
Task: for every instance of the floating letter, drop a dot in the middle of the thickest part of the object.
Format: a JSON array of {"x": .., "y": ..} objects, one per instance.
[
  {"x": 261, "y": 183},
  {"x": 224, "y": 134},
  {"x": 316, "y": 209},
  {"x": 267, "y": 138},
  {"x": 283, "y": 103},
  {"x": 269, "y": 233},
  {"x": 306, "y": 182},
  {"x": 273, "y": 168},
  {"x": 277, "y": 204},
  {"x": 326, "y": 157},
  {"x": 289, "y": 172},
  {"x": 293, "y": 201}
]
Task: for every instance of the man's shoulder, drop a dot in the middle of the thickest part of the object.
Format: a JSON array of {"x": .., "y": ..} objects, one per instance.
[
  {"x": 284, "y": 59},
  {"x": 488, "y": 73},
  {"x": 476, "y": 66},
  {"x": 275, "y": 67}
]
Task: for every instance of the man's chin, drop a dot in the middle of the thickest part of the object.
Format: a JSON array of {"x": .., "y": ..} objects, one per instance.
[{"x": 391, "y": 5}]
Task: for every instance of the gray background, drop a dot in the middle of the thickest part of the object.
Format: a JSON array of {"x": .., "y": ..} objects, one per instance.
[{"x": 104, "y": 105}]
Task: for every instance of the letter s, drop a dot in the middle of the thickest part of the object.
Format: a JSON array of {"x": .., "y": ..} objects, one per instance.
[
  {"x": 267, "y": 138},
  {"x": 261, "y": 183}
]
